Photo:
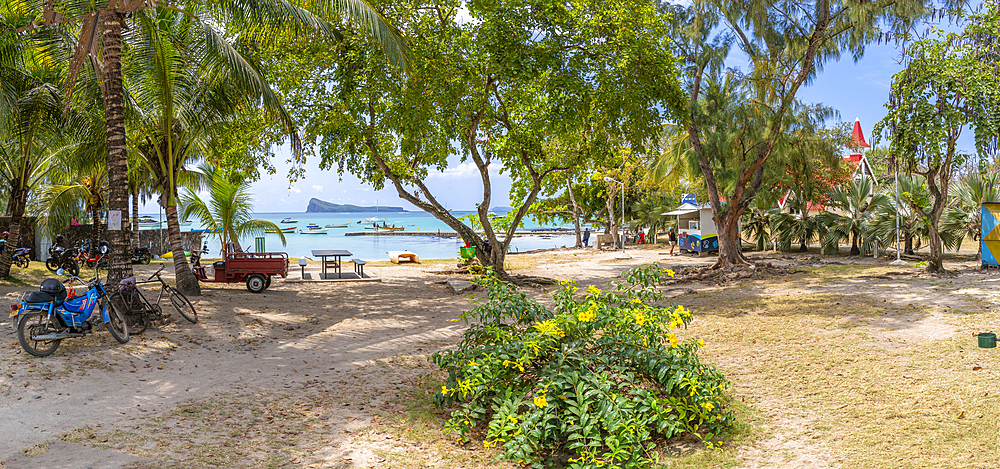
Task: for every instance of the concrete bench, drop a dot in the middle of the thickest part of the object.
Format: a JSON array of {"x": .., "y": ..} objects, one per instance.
[{"x": 359, "y": 267}]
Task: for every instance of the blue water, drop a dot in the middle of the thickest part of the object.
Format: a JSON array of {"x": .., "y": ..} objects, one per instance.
[{"x": 371, "y": 248}]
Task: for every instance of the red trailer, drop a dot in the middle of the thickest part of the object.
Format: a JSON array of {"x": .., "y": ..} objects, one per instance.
[{"x": 254, "y": 268}]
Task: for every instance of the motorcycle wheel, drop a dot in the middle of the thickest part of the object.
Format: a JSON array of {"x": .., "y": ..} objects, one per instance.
[
  {"x": 22, "y": 262},
  {"x": 145, "y": 257},
  {"x": 116, "y": 323},
  {"x": 52, "y": 264},
  {"x": 72, "y": 266},
  {"x": 35, "y": 324}
]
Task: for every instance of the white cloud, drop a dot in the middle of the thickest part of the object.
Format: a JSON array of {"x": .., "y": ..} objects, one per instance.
[
  {"x": 295, "y": 190},
  {"x": 317, "y": 188},
  {"x": 463, "y": 170}
]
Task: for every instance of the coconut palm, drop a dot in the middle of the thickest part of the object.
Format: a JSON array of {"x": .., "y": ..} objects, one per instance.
[
  {"x": 858, "y": 203},
  {"x": 83, "y": 185},
  {"x": 228, "y": 210},
  {"x": 258, "y": 20},
  {"x": 648, "y": 213},
  {"x": 963, "y": 220},
  {"x": 188, "y": 82},
  {"x": 32, "y": 135}
]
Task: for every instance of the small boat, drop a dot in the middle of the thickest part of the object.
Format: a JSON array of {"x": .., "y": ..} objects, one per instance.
[
  {"x": 187, "y": 223},
  {"x": 315, "y": 231},
  {"x": 389, "y": 228},
  {"x": 375, "y": 220},
  {"x": 312, "y": 226},
  {"x": 290, "y": 229},
  {"x": 339, "y": 225},
  {"x": 289, "y": 220}
]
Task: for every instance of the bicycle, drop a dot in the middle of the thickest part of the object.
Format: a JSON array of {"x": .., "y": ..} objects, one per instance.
[{"x": 140, "y": 312}]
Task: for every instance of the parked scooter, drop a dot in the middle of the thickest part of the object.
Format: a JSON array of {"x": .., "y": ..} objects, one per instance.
[
  {"x": 46, "y": 317},
  {"x": 141, "y": 255},
  {"x": 196, "y": 255},
  {"x": 62, "y": 258},
  {"x": 97, "y": 259},
  {"x": 22, "y": 256}
]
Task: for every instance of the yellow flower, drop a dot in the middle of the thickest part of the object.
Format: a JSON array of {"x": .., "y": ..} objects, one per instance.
[
  {"x": 550, "y": 328},
  {"x": 586, "y": 316},
  {"x": 540, "y": 400},
  {"x": 670, "y": 272},
  {"x": 640, "y": 318},
  {"x": 701, "y": 343},
  {"x": 512, "y": 419},
  {"x": 672, "y": 338},
  {"x": 593, "y": 290},
  {"x": 707, "y": 406},
  {"x": 445, "y": 391},
  {"x": 472, "y": 363}
]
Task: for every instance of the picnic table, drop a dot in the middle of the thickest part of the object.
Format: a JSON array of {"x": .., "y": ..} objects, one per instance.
[{"x": 337, "y": 254}]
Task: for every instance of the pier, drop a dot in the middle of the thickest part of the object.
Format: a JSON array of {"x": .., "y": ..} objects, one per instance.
[{"x": 450, "y": 234}]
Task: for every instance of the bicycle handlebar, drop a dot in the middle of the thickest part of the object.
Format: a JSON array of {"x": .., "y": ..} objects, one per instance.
[{"x": 157, "y": 273}]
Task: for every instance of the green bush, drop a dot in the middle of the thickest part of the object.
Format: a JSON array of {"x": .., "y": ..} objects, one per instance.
[{"x": 591, "y": 382}]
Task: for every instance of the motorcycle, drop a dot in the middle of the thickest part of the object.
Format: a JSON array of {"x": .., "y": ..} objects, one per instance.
[
  {"x": 141, "y": 255},
  {"x": 22, "y": 257},
  {"x": 62, "y": 258},
  {"x": 196, "y": 255},
  {"x": 101, "y": 258},
  {"x": 47, "y": 316}
]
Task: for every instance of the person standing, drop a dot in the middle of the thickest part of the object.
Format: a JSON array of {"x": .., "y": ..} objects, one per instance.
[
  {"x": 586, "y": 237},
  {"x": 673, "y": 240}
]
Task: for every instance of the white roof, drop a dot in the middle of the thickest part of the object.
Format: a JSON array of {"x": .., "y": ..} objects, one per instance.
[{"x": 685, "y": 209}]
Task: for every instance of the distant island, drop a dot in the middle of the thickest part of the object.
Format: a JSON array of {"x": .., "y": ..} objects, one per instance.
[
  {"x": 500, "y": 209},
  {"x": 316, "y": 205}
]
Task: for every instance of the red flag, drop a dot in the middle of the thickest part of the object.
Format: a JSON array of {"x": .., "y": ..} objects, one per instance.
[{"x": 858, "y": 135}]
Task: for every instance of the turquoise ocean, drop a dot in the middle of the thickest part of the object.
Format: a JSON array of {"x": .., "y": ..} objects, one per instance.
[{"x": 372, "y": 248}]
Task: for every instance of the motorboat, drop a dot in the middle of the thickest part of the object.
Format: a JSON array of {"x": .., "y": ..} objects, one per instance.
[
  {"x": 314, "y": 231},
  {"x": 338, "y": 225},
  {"x": 289, "y": 220},
  {"x": 290, "y": 229},
  {"x": 313, "y": 226}
]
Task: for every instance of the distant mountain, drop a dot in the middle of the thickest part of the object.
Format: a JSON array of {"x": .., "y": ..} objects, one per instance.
[{"x": 316, "y": 205}]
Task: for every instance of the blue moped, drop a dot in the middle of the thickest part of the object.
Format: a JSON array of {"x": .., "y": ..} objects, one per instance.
[{"x": 45, "y": 317}]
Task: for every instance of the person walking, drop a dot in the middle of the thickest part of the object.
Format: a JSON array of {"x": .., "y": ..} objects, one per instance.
[
  {"x": 586, "y": 237},
  {"x": 673, "y": 240}
]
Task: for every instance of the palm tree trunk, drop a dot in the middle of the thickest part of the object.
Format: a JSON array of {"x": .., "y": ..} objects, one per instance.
[
  {"x": 135, "y": 219},
  {"x": 187, "y": 283},
  {"x": 95, "y": 216},
  {"x": 121, "y": 265},
  {"x": 15, "y": 206}
]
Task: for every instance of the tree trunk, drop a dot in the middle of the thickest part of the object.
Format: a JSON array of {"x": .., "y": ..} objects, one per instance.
[
  {"x": 95, "y": 216},
  {"x": 729, "y": 242},
  {"x": 855, "y": 250},
  {"x": 908, "y": 244},
  {"x": 613, "y": 228},
  {"x": 576, "y": 215},
  {"x": 135, "y": 219},
  {"x": 187, "y": 283},
  {"x": 15, "y": 206},
  {"x": 121, "y": 259}
]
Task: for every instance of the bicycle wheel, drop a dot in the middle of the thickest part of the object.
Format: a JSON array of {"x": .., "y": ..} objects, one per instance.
[
  {"x": 182, "y": 305},
  {"x": 31, "y": 325},
  {"x": 101, "y": 269},
  {"x": 116, "y": 323}
]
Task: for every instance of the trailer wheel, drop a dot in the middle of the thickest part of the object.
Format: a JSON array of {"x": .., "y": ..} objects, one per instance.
[{"x": 256, "y": 283}]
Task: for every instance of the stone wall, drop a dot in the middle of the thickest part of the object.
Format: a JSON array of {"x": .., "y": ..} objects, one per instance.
[
  {"x": 27, "y": 233},
  {"x": 156, "y": 240}
]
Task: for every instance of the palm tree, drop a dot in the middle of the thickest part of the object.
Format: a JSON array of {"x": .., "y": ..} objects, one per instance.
[
  {"x": 648, "y": 213},
  {"x": 797, "y": 226},
  {"x": 914, "y": 208},
  {"x": 83, "y": 185},
  {"x": 228, "y": 210},
  {"x": 859, "y": 202},
  {"x": 963, "y": 220},
  {"x": 261, "y": 20},
  {"x": 188, "y": 83},
  {"x": 32, "y": 134}
]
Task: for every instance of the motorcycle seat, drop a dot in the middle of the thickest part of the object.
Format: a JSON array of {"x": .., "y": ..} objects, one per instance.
[{"x": 40, "y": 297}]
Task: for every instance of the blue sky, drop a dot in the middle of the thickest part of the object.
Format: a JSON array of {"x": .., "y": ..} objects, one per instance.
[{"x": 855, "y": 90}]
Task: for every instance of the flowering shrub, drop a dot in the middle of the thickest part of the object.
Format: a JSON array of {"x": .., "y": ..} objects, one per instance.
[{"x": 590, "y": 382}]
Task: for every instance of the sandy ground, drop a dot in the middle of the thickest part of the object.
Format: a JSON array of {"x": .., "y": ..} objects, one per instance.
[{"x": 318, "y": 342}]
